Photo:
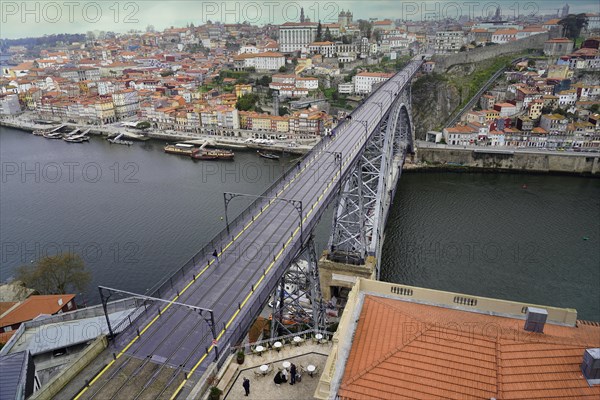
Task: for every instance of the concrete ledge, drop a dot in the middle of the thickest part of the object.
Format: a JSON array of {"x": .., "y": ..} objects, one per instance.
[{"x": 51, "y": 389}]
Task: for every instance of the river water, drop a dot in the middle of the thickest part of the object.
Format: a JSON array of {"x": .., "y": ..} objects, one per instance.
[{"x": 136, "y": 214}]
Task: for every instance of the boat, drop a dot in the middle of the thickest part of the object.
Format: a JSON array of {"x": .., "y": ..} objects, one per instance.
[
  {"x": 56, "y": 135},
  {"x": 119, "y": 141},
  {"x": 212, "y": 154},
  {"x": 269, "y": 156},
  {"x": 180, "y": 148},
  {"x": 75, "y": 139}
]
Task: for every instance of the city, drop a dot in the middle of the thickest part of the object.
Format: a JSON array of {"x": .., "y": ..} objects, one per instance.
[{"x": 390, "y": 202}]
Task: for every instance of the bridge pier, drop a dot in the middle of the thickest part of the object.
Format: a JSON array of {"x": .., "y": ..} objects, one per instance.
[{"x": 334, "y": 274}]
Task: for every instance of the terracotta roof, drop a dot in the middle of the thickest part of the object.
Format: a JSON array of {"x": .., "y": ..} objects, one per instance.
[
  {"x": 34, "y": 306},
  {"x": 409, "y": 350},
  {"x": 6, "y": 305}
]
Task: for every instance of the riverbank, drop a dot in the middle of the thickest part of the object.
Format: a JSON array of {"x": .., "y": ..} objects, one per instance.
[
  {"x": 472, "y": 159},
  {"x": 233, "y": 143}
]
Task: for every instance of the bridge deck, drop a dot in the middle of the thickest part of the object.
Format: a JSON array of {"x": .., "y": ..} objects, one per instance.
[{"x": 236, "y": 284}]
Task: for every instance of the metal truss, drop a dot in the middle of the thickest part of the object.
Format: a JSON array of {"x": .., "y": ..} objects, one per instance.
[
  {"x": 297, "y": 303},
  {"x": 359, "y": 220}
]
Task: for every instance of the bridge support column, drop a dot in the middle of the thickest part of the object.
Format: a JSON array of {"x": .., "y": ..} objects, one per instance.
[{"x": 297, "y": 302}]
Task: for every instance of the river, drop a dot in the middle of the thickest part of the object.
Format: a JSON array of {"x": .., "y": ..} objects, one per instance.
[{"x": 136, "y": 214}]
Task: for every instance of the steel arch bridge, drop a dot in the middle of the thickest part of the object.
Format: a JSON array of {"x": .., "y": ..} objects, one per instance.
[{"x": 209, "y": 304}]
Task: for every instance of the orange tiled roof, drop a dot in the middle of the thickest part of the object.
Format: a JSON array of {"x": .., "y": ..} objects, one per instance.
[
  {"x": 410, "y": 350},
  {"x": 34, "y": 306}
]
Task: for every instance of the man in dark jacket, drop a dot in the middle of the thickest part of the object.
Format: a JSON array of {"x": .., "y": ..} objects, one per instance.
[
  {"x": 293, "y": 374},
  {"x": 246, "y": 385}
]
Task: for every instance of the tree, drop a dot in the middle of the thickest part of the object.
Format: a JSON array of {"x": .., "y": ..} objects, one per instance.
[
  {"x": 595, "y": 108},
  {"x": 283, "y": 111},
  {"x": 328, "y": 37},
  {"x": 143, "y": 125},
  {"x": 573, "y": 24},
  {"x": 264, "y": 81},
  {"x": 58, "y": 274},
  {"x": 319, "y": 37},
  {"x": 282, "y": 68},
  {"x": 247, "y": 102}
]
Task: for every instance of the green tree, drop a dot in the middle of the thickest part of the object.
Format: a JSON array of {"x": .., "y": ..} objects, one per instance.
[
  {"x": 264, "y": 80},
  {"x": 328, "y": 37},
  {"x": 283, "y": 111},
  {"x": 143, "y": 125},
  {"x": 58, "y": 274},
  {"x": 319, "y": 33},
  {"x": 282, "y": 68},
  {"x": 247, "y": 102},
  {"x": 595, "y": 108},
  {"x": 573, "y": 24}
]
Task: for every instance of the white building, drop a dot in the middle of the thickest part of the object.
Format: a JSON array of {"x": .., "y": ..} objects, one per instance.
[
  {"x": 294, "y": 36},
  {"x": 363, "y": 82},
  {"x": 309, "y": 83},
  {"x": 267, "y": 61},
  {"x": 449, "y": 41},
  {"x": 346, "y": 88}
]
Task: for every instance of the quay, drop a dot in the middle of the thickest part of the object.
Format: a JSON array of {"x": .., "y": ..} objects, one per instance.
[{"x": 234, "y": 143}]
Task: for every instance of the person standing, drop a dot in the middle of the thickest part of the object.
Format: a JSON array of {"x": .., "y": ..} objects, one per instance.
[
  {"x": 246, "y": 385},
  {"x": 293, "y": 374}
]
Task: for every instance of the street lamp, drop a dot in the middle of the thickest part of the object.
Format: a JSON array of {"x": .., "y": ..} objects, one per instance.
[
  {"x": 297, "y": 204},
  {"x": 380, "y": 104}
]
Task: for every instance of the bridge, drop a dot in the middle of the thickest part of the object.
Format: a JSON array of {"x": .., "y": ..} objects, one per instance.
[{"x": 192, "y": 317}]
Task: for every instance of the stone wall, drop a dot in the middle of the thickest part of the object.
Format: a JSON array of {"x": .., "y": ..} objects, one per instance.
[
  {"x": 586, "y": 164},
  {"x": 445, "y": 61},
  {"x": 51, "y": 389}
]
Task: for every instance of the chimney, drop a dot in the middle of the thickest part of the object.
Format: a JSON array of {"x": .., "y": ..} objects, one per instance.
[
  {"x": 591, "y": 364},
  {"x": 535, "y": 319}
]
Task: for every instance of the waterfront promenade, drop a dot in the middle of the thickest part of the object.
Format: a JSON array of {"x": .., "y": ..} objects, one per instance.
[{"x": 26, "y": 122}]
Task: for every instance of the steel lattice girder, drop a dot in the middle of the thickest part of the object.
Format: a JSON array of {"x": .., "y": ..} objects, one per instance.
[
  {"x": 297, "y": 299},
  {"x": 356, "y": 231}
]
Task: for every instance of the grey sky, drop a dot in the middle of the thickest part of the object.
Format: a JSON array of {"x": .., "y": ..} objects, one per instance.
[{"x": 36, "y": 18}]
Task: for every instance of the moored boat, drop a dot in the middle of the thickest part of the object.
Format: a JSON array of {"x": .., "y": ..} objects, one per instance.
[
  {"x": 180, "y": 148},
  {"x": 269, "y": 156},
  {"x": 75, "y": 139},
  {"x": 56, "y": 135},
  {"x": 212, "y": 154}
]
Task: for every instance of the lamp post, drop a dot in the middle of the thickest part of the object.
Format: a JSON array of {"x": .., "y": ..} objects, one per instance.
[
  {"x": 297, "y": 204},
  {"x": 380, "y": 104}
]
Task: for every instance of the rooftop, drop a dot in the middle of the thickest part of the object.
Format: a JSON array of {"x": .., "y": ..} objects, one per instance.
[
  {"x": 34, "y": 306},
  {"x": 407, "y": 342}
]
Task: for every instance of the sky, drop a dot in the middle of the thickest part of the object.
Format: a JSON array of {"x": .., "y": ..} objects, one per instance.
[{"x": 36, "y": 18}]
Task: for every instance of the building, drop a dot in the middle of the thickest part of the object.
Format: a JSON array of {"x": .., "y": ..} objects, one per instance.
[
  {"x": 346, "y": 88},
  {"x": 449, "y": 41},
  {"x": 505, "y": 109},
  {"x": 126, "y": 102},
  {"x": 396, "y": 341},
  {"x": 33, "y": 307},
  {"x": 363, "y": 81},
  {"x": 307, "y": 124},
  {"x": 9, "y": 104},
  {"x": 18, "y": 379},
  {"x": 558, "y": 47},
  {"x": 554, "y": 123},
  {"x": 295, "y": 36},
  {"x": 503, "y": 36},
  {"x": 266, "y": 61},
  {"x": 461, "y": 135},
  {"x": 242, "y": 89}
]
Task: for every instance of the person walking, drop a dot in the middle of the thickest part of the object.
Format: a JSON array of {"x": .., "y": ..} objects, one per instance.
[
  {"x": 246, "y": 385},
  {"x": 293, "y": 374}
]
